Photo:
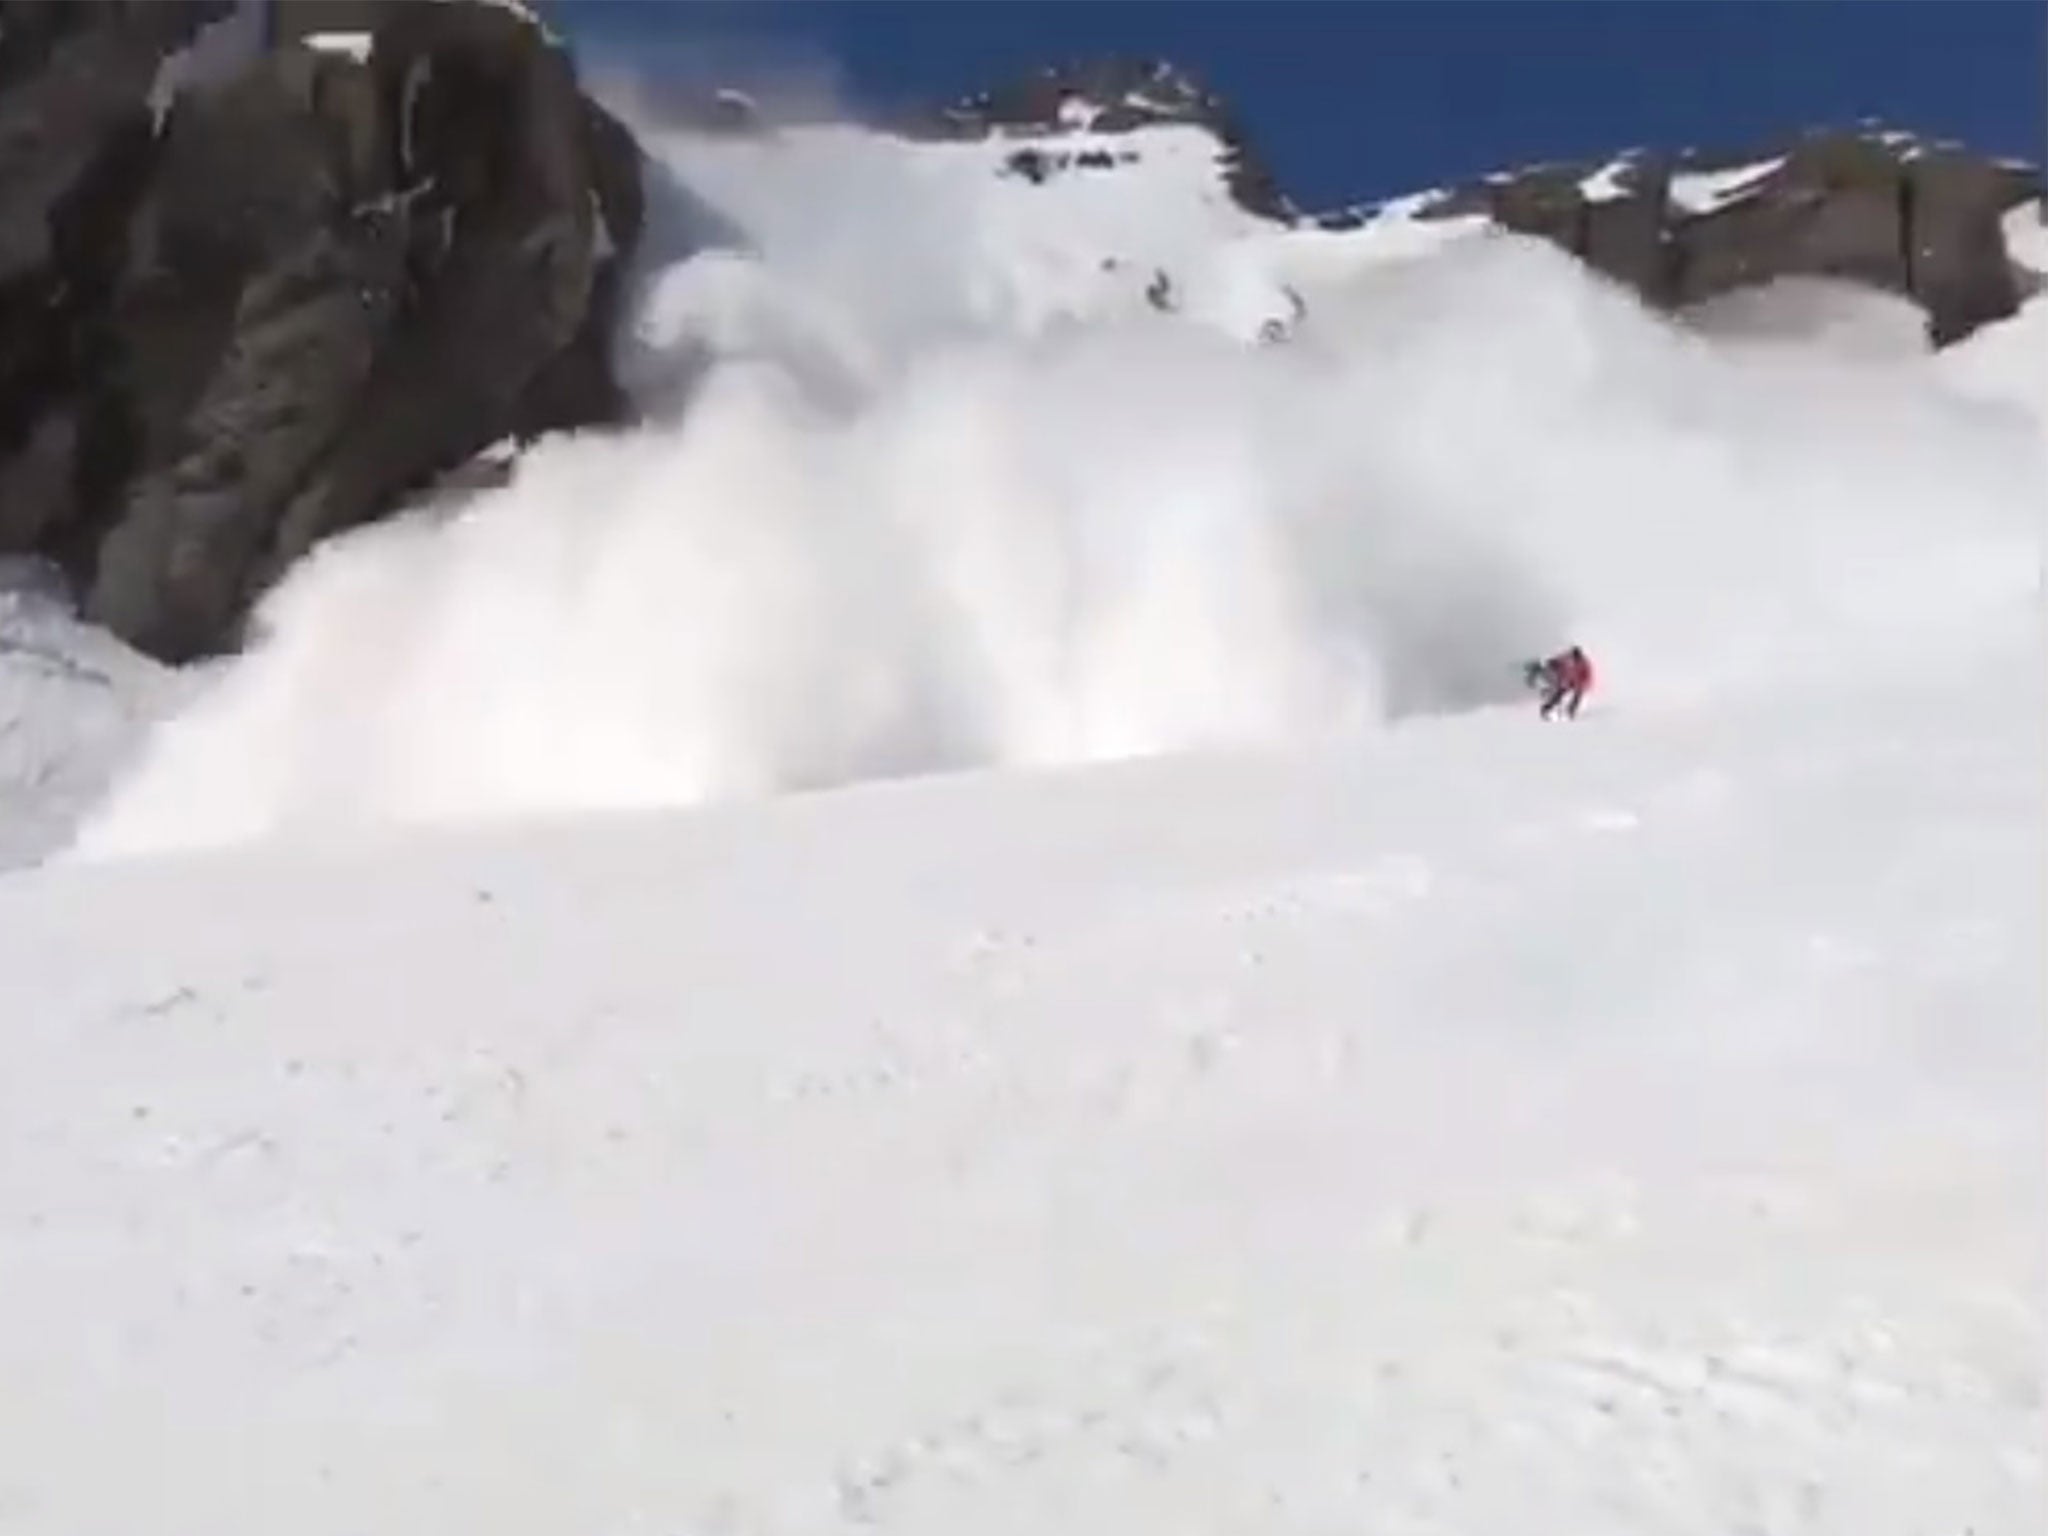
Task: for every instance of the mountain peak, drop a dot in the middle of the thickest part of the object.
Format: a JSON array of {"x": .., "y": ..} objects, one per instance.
[
  {"x": 1091, "y": 95},
  {"x": 1108, "y": 96}
]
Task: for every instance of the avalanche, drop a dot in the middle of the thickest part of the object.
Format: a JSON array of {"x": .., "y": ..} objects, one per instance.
[
  {"x": 955, "y": 494},
  {"x": 1212, "y": 1059}
]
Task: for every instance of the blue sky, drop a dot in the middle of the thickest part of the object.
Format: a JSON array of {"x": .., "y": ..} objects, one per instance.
[{"x": 1351, "y": 100}]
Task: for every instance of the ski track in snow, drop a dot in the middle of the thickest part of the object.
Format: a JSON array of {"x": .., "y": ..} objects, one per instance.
[{"x": 1629, "y": 1126}]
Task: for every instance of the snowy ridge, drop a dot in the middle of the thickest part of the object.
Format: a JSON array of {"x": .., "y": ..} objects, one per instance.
[
  {"x": 1026, "y": 234},
  {"x": 1107, "y": 95},
  {"x": 1696, "y": 186}
]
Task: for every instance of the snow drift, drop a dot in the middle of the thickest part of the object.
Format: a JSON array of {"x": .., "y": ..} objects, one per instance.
[{"x": 951, "y": 493}]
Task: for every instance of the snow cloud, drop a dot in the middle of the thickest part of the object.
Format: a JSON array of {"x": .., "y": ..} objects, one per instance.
[{"x": 889, "y": 535}]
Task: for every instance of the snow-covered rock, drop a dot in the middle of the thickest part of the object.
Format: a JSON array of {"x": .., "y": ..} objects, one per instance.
[
  {"x": 1704, "y": 192},
  {"x": 1687, "y": 228}
]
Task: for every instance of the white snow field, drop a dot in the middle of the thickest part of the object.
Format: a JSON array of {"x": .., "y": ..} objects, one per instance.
[
  {"x": 1239, "y": 1073},
  {"x": 73, "y": 703}
]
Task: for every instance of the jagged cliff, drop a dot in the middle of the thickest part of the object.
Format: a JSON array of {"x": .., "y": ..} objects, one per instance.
[{"x": 265, "y": 273}]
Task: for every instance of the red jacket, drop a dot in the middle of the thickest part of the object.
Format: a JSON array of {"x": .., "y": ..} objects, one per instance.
[{"x": 1575, "y": 671}]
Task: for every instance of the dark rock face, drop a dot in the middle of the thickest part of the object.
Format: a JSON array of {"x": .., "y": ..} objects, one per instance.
[
  {"x": 327, "y": 275},
  {"x": 75, "y": 150},
  {"x": 1887, "y": 210}
]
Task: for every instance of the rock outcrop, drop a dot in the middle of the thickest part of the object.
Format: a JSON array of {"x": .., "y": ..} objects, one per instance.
[
  {"x": 1914, "y": 217},
  {"x": 1889, "y": 210},
  {"x": 263, "y": 272},
  {"x": 1108, "y": 96}
]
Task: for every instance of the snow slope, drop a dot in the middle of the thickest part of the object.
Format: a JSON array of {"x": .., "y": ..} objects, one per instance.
[
  {"x": 1356, "y": 1107},
  {"x": 1631, "y": 1128},
  {"x": 2009, "y": 362},
  {"x": 75, "y": 705}
]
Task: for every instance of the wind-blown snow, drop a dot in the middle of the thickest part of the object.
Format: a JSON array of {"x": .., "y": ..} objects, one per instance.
[
  {"x": 957, "y": 496},
  {"x": 1800, "y": 313}
]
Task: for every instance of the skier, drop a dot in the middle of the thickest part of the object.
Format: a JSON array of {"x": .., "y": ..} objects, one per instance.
[{"x": 1565, "y": 679}]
